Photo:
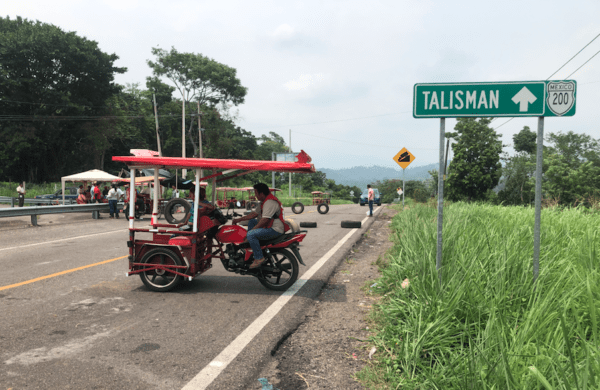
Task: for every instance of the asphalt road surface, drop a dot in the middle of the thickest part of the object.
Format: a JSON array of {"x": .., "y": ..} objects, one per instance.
[{"x": 70, "y": 319}]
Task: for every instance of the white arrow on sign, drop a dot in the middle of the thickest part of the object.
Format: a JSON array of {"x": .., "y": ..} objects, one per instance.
[{"x": 524, "y": 98}]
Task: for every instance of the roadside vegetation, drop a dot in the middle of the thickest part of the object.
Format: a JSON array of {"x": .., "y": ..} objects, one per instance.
[{"x": 487, "y": 325}]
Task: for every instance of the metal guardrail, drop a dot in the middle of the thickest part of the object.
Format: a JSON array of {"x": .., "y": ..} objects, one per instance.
[
  {"x": 14, "y": 201},
  {"x": 34, "y": 211}
]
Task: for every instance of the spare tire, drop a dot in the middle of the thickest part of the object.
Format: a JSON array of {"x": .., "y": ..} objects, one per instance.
[
  {"x": 251, "y": 205},
  {"x": 351, "y": 224},
  {"x": 298, "y": 208},
  {"x": 174, "y": 209},
  {"x": 308, "y": 224},
  {"x": 323, "y": 208}
]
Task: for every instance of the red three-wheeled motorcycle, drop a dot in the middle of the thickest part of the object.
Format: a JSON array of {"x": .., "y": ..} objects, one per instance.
[{"x": 172, "y": 253}]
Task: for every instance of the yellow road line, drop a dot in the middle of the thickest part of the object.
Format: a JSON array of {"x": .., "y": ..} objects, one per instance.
[{"x": 59, "y": 273}]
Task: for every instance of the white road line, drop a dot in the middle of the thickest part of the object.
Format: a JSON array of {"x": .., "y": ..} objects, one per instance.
[
  {"x": 220, "y": 363},
  {"x": 62, "y": 239}
]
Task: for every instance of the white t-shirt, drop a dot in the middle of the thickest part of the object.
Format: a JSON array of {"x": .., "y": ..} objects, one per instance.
[
  {"x": 271, "y": 209},
  {"x": 112, "y": 194},
  {"x": 20, "y": 190}
]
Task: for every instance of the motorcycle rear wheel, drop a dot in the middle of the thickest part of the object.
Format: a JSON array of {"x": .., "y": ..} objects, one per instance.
[
  {"x": 286, "y": 271},
  {"x": 160, "y": 280}
]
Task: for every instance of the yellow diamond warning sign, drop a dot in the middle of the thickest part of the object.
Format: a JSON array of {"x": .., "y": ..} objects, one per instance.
[{"x": 404, "y": 158}]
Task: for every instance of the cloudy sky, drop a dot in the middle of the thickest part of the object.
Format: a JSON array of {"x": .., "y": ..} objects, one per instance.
[{"x": 340, "y": 74}]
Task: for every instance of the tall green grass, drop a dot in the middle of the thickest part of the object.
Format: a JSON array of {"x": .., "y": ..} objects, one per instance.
[{"x": 487, "y": 326}]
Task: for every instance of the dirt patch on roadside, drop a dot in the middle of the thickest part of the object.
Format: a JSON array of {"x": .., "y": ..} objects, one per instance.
[{"x": 329, "y": 348}]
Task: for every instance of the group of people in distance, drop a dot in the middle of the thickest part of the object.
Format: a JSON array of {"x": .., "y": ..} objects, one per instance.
[{"x": 93, "y": 194}]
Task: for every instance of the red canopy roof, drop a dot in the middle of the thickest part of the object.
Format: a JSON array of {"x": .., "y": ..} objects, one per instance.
[{"x": 302, "y": 166}]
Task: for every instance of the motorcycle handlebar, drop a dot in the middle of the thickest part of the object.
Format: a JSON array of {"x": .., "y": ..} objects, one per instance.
[{"x": 234, "y": 214}]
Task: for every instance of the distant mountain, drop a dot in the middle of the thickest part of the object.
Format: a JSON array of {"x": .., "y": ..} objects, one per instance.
[{"x": 361, "y": 176}]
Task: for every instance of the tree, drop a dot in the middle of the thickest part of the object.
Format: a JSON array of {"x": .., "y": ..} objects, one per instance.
[
  {"x": 475, "y": 168},
  {"x": 53, "y": 87},
  {"x": 518, "y": 181},
  {"x": 197, "y": 78},
  {"x": 571, "y": 167},
  {"x": 524, "y": 141}
]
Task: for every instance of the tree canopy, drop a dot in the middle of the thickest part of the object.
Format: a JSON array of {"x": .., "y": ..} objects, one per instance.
[
  {"x": 53, "y": 88},
  {"x": 201, "y": 78},
  {"x": 475, "y": 168}
]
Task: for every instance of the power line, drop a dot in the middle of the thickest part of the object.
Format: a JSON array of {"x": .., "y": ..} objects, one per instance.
[
  {"x": 584, "y": 64},
  {"x": 574, "y": 57}
]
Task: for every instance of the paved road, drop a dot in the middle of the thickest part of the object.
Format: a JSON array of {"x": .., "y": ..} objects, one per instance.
[{"x": 72, "y": 320}]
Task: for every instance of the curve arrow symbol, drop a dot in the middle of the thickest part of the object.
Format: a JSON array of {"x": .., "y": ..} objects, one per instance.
[{"x": 524, "y": 97}]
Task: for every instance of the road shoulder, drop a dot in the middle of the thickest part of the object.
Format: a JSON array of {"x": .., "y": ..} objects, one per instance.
[{"x": 328, "y": 347}]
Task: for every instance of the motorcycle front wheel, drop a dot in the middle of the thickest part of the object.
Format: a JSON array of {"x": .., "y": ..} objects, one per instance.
[{"x": 279, "y": 272}]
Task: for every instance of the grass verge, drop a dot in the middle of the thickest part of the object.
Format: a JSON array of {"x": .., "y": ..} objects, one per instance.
[{"x": 487, "y": 326}]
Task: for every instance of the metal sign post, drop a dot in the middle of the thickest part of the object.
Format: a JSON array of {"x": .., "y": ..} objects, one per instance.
[
  {"x": 438, "y": 261},
  {"x": 403, "y": 158},
  {"x": 538, "y": 198},
  {"x": 403, "y": 191}
]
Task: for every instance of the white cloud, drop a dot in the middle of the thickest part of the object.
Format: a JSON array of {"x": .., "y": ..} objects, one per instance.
[
  {"x": 284, "y": 31},
  {"x": 304, "y": 81}
]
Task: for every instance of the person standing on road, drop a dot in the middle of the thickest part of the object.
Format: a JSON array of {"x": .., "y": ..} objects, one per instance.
[
  {"x": 113, "y": 197},
  {"x": 371, "y": 199},
  {"x": 21, "y": 193},
  {"x": 265, "y": 221}
]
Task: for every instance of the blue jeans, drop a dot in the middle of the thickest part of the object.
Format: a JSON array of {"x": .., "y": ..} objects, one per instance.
[
  {"x": 114, "y": 210},
  {"x": 259, "y": 234},
  {"x": 370, "y": 207}
]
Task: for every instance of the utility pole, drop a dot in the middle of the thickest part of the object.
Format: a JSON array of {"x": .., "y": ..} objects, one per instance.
[
  {"x": 200, "y": 138},
  {"x": 156, "y": 120},
  {"x": 183, "y": 171}
]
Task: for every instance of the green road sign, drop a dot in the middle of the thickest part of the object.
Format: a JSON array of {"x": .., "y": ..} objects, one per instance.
[{"x": 518, "y": 98}]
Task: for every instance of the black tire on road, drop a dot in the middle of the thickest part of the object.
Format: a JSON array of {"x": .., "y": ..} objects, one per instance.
[
  {"x": 351, "y": 224},
  {"x": 160, "y": 280},
  {"x": 285, "y": 271},
  {"x": 308, "y": 224},
  {"x": 378, "y": 204},
  {"x": 174, "y": 205},
  {"x": 323, "y": 208},
  {"x": 298, "y": 208}
]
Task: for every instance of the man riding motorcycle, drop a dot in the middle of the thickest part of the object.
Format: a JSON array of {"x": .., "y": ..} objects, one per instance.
[{"x": 265, "y": 221}]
